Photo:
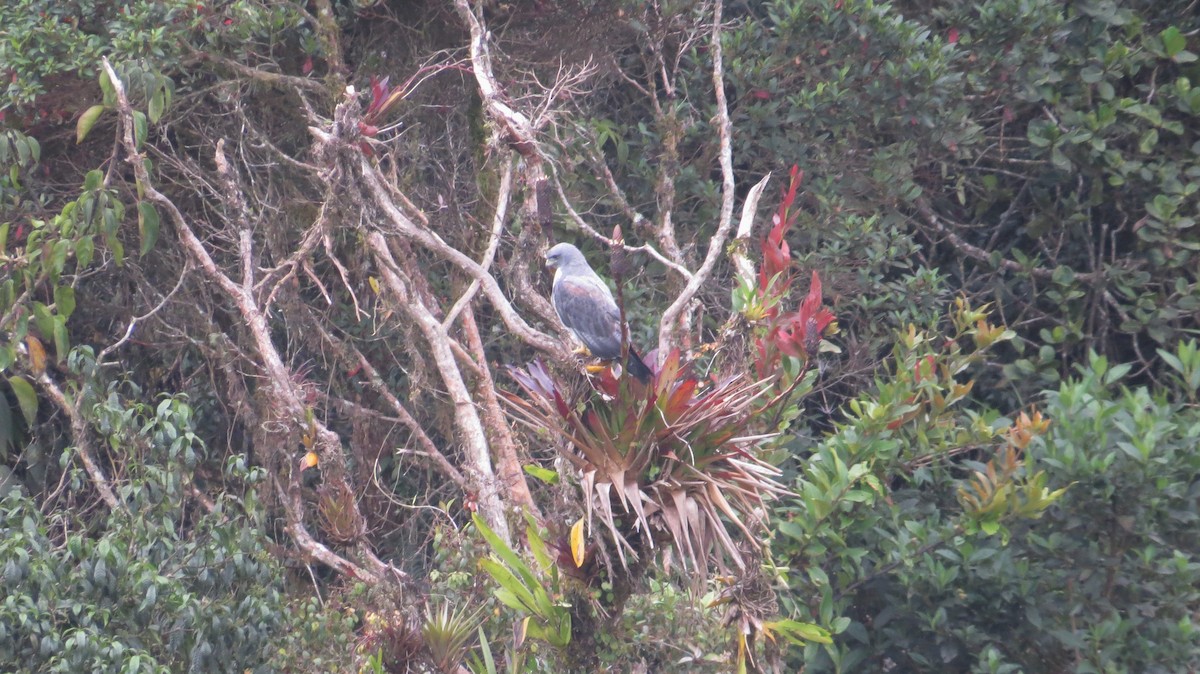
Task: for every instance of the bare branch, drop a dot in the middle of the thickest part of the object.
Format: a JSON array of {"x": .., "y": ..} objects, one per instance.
[
  {"x": 134, "y": 321},
  {"x": 348, "y": 352},
  {"x": 498, "y": 218},
  {"x": 80, "y": 434},
  {"x": 680, "y": 310},
  {"x": 276, "y": 79},
  {"x": 610, "y": 242},
  {"x": 282, "y": 390},
  {"x": 516, "y": 129},
  {"x": 503, "y": 444},
  {"x": 981, "y": 255},
  {"x": 403, "y": 225},
  {"x": 466, "y": 417}
]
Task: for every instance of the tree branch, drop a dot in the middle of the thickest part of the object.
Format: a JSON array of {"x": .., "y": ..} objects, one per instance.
[
  {"x": 493, "y": 243},
  {"x": 282, "y": 390},
  {"x": 351, "y": 355},
  {"x": 680, "y": 310},
  {"x": 610, "y": 242},
  {"x": 981, "y": 255},
  {"x": 404, "y": 226},
  {"x": 83, "y": 441},
  {"x": 503, "y": 444},
  {"x": 466, "y": 417}
]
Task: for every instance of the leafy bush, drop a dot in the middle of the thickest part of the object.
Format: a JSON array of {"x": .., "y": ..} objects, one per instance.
[
  {"x": 155, "y": 586},
  {"x": 1034, "y": 154},
  {"x": 50, "y": 48},
  {"x": 1103, "y": 580}
]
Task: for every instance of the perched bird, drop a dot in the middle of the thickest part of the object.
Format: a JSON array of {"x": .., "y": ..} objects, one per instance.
[{"x": 586, "y": 307}]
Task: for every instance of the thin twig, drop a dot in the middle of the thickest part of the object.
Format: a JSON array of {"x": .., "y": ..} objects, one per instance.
[
  {"x": 134, "y": 321},
  {"x": 608, "y": 241},
  {"x": 671, "y": 319},
  {"x": 493, "y": 244}
]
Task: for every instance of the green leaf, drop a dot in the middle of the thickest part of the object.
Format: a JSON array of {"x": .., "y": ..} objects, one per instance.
[
  {"x": 64, "y": 300},
  {"x": 86, "y": 121},
  {"x": 989, "y": 527},
  {"x": 43, "y": 319},
  {"x": 62, "y": 342},
  {"x": 798, "y": 632},
  {"x": 1172, "y": 360},
  {"x": 1148, "y": 141},
  {"x": 8, "y": 435},
  {"x": 116, "y": 247},
  {"x": 140, "y": 128},
  {"x": 85, "y": 249},
  {"x": 538, "y": 546},
  {"x": 793, "y": 530},
  {"x": 26, "y": 398},
  {"x": 489, "y": 661},
  {"x": 22, "y": 147},
  {"x": 544, "y": 474},
  {"x": 512, "y": 592},
  {"x": 1117, "y": 372},
  {"x": 502, "y": 550},
  {"x": 156, "y": 105},
  {"x": 58, "y": 259},
  {"x": 106, "y": 87},
  {"x": 1173, "y": 41},
  {"x": 147, "y": 225},
  {"x": 93, "y": 179}
]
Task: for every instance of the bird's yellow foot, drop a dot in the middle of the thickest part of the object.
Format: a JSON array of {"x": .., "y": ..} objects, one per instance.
[{"x": 582, "y": 351}]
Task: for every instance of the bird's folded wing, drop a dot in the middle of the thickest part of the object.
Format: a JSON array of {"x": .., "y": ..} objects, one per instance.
[{"x": 585, "y": 307}]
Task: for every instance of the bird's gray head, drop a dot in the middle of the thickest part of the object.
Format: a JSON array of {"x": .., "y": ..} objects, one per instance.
[{"x": 564, "y": 255}]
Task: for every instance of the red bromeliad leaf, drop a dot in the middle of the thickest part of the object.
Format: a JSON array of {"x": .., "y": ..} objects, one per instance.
[
  {"x": 812, "y": 301},
  {"x": 379, "y": 91},
  {"x": 776, "y": 252},
  {"x": 790, "y": 341},
  {"x": 561, "y": 405},
  {"x": 796, "y": 334},
  {"x": 308, "y": 66},
  {"x": 813, "y": 317},
  {"x": 680, "y": 398},
  {"x": 952, "y": 36},
  {"x": 536, "y": 379},
  {"x": 606, "y": 382}
]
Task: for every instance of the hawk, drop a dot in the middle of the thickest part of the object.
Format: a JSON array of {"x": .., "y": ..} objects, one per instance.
[{"x": 586, "y": 308}]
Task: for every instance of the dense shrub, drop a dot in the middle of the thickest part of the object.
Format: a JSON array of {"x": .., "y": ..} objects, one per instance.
[
  {"x": 155, "y": 586},
  {"x": 1104, "y": 580},
  {"x": 1037, "y": 154}
]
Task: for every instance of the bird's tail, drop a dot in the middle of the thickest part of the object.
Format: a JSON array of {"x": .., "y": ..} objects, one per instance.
[{"x": 637, "y": 367}]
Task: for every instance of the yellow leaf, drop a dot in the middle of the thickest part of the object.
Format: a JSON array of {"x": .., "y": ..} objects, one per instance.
[
  {"x": 86, "y": 121},
  {"x": 374, "y": 283},
  {"x": 310, "y": 459},
  {"x": 577, "y": 545},
  {"x": 37, "y": 354}
]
